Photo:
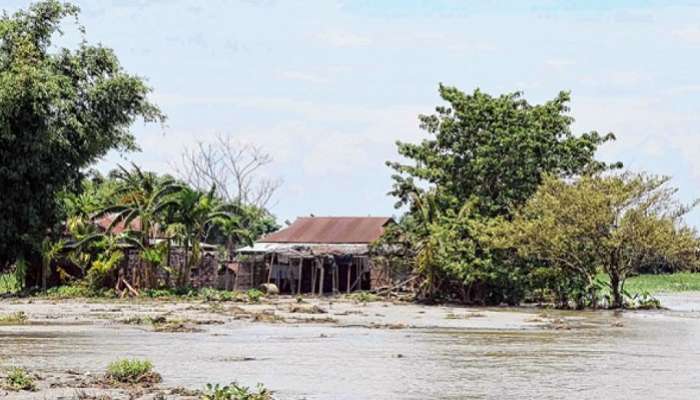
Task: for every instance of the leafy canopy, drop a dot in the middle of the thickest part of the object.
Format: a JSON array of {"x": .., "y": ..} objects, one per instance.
[
  {"x": 60, "y": 110},
  {"x": 616, "y": 223},
  {"x": 494, "y": 149}
]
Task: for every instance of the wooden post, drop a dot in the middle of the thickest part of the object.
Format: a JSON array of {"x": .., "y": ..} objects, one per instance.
[
  {"x": 269, "y": 267},
  {"x": 335, "y": 277},
  {"x": 347, "y": 288},
  {"x": 320, "y": 286},
  {"x": 253, "y": 266},
  {"x": 314, "y": 272},
  {"x": 301, "y": 263}
]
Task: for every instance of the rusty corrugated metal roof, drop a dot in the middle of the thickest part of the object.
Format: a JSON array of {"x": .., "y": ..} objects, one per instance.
[
  {"x": 104, "y": 221},
  {"x": 330, "y": 230}
]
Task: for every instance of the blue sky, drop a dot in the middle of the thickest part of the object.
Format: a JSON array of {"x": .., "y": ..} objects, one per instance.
[{"x": 327, "y": 87}]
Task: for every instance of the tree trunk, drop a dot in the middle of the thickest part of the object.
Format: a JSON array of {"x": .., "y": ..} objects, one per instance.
[
  {"x": 43, "y": 276},
  {"x": 616, "y": 292}
]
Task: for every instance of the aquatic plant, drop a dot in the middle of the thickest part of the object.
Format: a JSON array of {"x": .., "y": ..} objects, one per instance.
[
  {"x": 132, "y": 371},
  {"x": 234, "y": 391},
  {"x": 19, "y": 379}
]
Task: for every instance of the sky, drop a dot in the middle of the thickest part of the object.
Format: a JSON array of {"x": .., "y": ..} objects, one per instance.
[{"x": 328, "y": 87}]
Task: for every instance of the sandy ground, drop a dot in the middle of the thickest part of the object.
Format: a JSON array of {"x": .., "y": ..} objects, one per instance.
[{"x": 157, "y": 317}]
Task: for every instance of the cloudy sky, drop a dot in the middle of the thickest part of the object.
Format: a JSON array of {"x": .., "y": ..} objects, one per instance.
[{"x": 327, "y": 87}]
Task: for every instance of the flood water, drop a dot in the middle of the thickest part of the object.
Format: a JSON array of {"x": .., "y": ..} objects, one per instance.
[{"x": 652, "y": 355}]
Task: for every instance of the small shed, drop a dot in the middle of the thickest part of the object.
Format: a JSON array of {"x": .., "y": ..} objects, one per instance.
[{"x": 313, "y": 255}]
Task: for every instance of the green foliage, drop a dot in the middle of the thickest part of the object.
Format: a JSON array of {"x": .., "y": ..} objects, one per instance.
[
  {"x": 613, "y": 222},
  {"x": 486, "y": 157},
  {"x": 254, "y": 295},
  {"x": 19, "y": 379},
  {"x": 234, "y": 391},
  {"x": 105, "y": 263},
  {"x": 60, "y": 110},
  {"x": 9, "y": 283},
  {"x": 494, "y": 149},
  {"x": 130, "y": 370},
  {"x": 78, "y": 290}
]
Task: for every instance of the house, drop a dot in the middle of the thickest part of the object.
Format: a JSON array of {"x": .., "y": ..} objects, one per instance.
[
  {"x": 204, "y": 273},
  {"x": 313, "y": 255}
]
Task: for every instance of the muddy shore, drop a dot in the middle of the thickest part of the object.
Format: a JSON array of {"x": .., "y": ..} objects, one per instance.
[{"x": 319, "y": 348}]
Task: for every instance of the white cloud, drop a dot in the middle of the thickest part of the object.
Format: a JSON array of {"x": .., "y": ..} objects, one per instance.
[
  {"x": 343, "y": 39},
  {"x": 688, "y": 34},
  {"x": 558, "y": 63},
  {"x": 303, "y": 77}
]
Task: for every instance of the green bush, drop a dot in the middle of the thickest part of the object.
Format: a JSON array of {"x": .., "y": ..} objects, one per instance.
[
  {"x": 77, "y": 291},
  {"x": 132, "y": 371},
  {"x": 209, "y": 294},
  {"x": 19, "y": 379},
  {"x": 235, "y": 391},
  {"x": 254, "y": 295}
]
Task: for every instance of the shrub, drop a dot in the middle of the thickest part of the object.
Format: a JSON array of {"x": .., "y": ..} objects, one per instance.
[
  {"x": 77, "y": 290},
  {"x": 132, "y": 371},
  {"x": 235, "y": 391},
  {"x": 19, "y": 379},
  {"x": 209, "y": 294},
  {"x": 18, "y": 317},
  {"x": 254, "y": 295},
  {"x": 364, "y": 297}
]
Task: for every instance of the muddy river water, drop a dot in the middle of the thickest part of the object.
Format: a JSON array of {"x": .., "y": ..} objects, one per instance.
[{"x": 488, "y": 354}]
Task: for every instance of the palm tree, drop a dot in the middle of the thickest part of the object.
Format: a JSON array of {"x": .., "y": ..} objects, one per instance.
[
  {"x": 196, "y": 213},
  {"x": 141, "y": 200}
]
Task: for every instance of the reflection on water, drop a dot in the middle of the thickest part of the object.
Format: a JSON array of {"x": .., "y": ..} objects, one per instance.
[{"x": 653, "y": 355}]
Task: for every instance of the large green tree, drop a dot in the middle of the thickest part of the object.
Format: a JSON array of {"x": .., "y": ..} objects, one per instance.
[
  {"x": 493, "y": 149},
  {"x": 484, "y": 158},
  {"x": 60, "y": 110},
  {"x": 611, "y": 223}
]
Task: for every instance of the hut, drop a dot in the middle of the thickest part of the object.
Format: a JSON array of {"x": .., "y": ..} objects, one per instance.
[{"x": 313, "y": 255}]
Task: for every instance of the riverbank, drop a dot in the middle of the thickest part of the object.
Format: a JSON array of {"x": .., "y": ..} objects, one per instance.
[
  {"x": 67, "y": 344},
  {"x": 340, "y": 348}
]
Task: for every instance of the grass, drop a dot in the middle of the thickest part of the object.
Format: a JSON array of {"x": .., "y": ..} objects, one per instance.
[
  {"x": 662, "y": 283},
  {"x": 16, "y": 318},
  {"x": 19, "y": 379},
  {"x": 132, "y": 371}
]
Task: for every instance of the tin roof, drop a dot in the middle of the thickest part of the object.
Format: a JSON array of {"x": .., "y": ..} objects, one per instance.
[
  {"x": 330, "y": 230},
  {"x": 106, "y": 220}
]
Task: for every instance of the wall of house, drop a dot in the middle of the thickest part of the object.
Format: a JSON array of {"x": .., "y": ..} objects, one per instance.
[{"x": 205, "y": 274}]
